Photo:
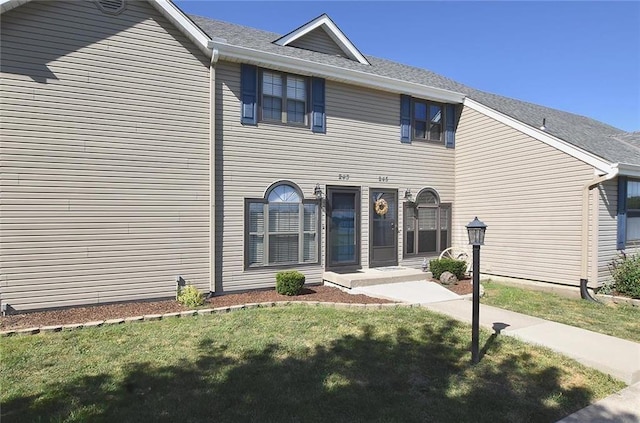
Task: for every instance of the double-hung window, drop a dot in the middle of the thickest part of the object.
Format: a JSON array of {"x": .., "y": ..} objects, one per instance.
[
  {"x": 427, "y": 225},
  {"x": 277, "y": 97},
  {"x": 428, "y": 121},
  {"x": 284, "y": 98},
  {"x": 281, "y": 229},
  {"x": 628, "y": 212},
  {"x": 425, "y": 120}
]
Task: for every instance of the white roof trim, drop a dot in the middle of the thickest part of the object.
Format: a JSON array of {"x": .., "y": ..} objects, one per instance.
[
  {"x": 580, "y": 154},
  {"x": 332, "y": 30},
  {"x": 628, "y": 169},
  {"x": 305, "y": 67},
  {"x": 183, "y": 23}
]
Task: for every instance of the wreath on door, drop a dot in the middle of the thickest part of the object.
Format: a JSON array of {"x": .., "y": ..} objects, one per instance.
[{"x": 381, "y": 207}]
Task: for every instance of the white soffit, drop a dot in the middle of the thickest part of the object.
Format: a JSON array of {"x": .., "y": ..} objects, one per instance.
[
  {"x": 332, "y": 30},
  {"x": 546, "y": 138}
]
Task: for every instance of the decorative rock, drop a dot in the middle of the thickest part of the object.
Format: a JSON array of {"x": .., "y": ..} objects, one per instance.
[
  {"x": 149, "y": 317},
  {"x": 113, "y": 321},
  {"x": 448, "y": 278},
  {"x": 236, "y": 307},
  {"x": 95, "y": 324},
  {"x": 134, "y": 319},
  {"x": 28, "y": 331},
  {"x": 72, "y": 326},
  {"x": 51, "y": 328}
]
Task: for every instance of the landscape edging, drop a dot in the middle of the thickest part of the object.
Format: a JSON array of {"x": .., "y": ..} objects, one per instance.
[{"x": 195, "y": 312}]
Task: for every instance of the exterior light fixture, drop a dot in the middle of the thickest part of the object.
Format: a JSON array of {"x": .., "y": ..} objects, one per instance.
[
  {"x": 476, "y": 230},
  {"x": 317, "y": 192},
  {"x": 408, "y": 194}
]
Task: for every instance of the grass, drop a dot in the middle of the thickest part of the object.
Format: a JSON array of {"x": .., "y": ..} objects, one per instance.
[
  {"x": 617, "y": 320},
  {"x": 295, "y": 364}
]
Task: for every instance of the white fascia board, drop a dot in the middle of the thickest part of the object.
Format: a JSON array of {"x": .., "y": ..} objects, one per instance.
[
  {"x": 6, "y": 5},
  {"x": 306, "y": 67},
  {"x": 182, "y": 22},
  {"x": 332, "y": 30},
  {"x": 625, "y": 169},
  {"x": 580, "y": 154}
]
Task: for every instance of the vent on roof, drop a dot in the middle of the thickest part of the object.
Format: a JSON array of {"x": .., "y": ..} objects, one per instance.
[{"x": 112, "y": 7}]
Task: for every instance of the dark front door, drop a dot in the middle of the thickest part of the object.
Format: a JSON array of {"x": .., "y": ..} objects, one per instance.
[
  {"x": 383, "y": 228},
  {"x": 343, "y": 223}
]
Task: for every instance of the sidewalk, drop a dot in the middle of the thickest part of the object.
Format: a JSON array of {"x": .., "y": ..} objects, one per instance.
[{"x": 617, "y": 357}]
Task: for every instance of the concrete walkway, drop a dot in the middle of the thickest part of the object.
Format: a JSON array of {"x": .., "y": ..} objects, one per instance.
[{"x": 617, "y": 357}]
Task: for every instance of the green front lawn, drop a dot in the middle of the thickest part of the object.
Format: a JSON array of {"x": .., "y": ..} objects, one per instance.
[
  {"x": 307, "y": 364},
  {"x": 619, "y": 320}
]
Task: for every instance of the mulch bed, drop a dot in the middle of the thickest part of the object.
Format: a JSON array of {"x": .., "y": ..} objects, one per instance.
[{"x": 130, "y": 309}]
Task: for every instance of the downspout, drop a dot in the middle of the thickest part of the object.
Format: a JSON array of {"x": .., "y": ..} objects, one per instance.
[
  {"x": 215, "y": 54},
  {"x": 584, "y": 262}
]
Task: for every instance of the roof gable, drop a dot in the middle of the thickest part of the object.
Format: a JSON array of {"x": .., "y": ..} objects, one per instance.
[{"x": 322, "y": 27}]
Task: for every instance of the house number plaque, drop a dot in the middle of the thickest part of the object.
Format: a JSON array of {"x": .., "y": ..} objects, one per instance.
[
  {"x": 343, "y": 176},
  {"x": 383, "y": 179}
]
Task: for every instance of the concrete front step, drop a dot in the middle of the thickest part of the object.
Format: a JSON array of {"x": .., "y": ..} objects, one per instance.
[{"x": 375, "y": 276}]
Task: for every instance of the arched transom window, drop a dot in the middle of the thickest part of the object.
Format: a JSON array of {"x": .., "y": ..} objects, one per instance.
[
  {"x": 427, "y": 224},
  {"x": 281, "y": 228}
]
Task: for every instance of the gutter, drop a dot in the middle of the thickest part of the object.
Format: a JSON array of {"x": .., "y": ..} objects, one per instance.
[
  {"x": 306, "y": 67},
  {"x": 584, "y": 238},
  {"x": 212, "y": 170}
]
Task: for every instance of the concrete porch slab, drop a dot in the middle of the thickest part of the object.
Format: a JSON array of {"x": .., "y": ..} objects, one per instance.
[
  {"x": 414, "y": 292},
  {"x": 376, "y": 276}
]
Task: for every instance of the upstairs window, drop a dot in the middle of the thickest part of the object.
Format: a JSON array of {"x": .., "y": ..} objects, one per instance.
[
  {"x": 284, "y": 98},
  {"x": 424, "y": 120},
  {"x": 427, "y": 121},
  {"x": 427, "y": 225},
  {"x": 281, "y": 229},
  {"x": 278, "y": 97}
]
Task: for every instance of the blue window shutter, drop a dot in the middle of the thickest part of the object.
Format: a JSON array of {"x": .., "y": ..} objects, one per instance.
[
  {"x": 405, "y": 119},
  {"x": 318, "y": 115},
  {"x": 450, "y": 126},
  {"x": 249, "y": 84},
  {"x": 622, "y": 213}
]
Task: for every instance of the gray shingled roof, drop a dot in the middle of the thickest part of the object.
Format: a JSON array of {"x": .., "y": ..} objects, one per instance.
[{"x": 600, "y": 139}]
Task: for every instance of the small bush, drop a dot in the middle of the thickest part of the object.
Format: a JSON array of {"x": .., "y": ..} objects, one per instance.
[
  {"x": 439, "y": 266},
  {"x": 626, "y": 274},
  {"x": 190, "y": 296},
  {"x": 289, "y": 282}
]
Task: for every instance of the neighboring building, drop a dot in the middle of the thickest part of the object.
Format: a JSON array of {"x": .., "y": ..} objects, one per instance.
[{"x": 139, "y": 145}]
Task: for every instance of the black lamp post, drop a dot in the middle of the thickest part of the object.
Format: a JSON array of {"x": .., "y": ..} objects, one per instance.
[{"x": 476, "y": 230}]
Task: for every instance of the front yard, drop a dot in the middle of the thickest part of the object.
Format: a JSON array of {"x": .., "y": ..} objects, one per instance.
[
  {"x": 290, "y": 364},
  {"x": 619, "y": 320}
]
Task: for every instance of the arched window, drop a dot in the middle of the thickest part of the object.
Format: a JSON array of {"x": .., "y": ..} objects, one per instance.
[
  {"x": 281, "y": 228},
  {"x": 427, "y": 224}
]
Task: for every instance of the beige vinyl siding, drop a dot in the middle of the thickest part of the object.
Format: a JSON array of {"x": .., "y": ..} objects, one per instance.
[
  {"x": 362, "y": 140},
  {"x": 607, "y": 234},
  {"x": 318, "y": 40},
  {"x": 105, "y": 156},
  {"x": 528, "y": 193},
  {"x": 608, "y": 227}
]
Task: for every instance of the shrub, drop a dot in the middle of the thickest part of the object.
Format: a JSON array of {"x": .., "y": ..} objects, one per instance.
[
  {"x": 190, "y": 296},
  {"x": 626, "y": 274},
  {"x": 289, "y": 282},
  {"x": 439, "y": 266}
]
